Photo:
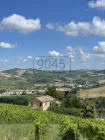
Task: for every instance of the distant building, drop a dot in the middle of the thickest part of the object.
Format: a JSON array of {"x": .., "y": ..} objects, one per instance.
[
  {"x": 42, "y": 102},
  {"x": 80, "y": 86}
]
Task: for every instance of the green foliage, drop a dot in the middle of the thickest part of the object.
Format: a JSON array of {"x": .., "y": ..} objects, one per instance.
[
  {"x": 41, "y": 124},
  {"x": 12, "y": 71},
  {"x": 78, "y": 107},
  {"x": 73, "y": 102},
  {"x": 19, "y": 100},
  {"x": 2, "y": 90},
  {"x": 63, "y": 110},
  {"x": 51, "y": 90},
  {"x": 89, "y": 110},
  {"x": 100, "y": 102},
  {"x": 74, "y": 90},
  {"x": 71, "y": 128},
  {"x": 16, "y": 131}
]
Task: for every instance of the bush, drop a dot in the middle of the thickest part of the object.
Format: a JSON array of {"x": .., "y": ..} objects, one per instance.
[
  {"x": 2, "y": 90},
  {"x": 19, "y": 100}
]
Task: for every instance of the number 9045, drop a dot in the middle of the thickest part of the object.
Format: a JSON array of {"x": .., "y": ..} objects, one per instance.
[{"x": 52, "y": 63}]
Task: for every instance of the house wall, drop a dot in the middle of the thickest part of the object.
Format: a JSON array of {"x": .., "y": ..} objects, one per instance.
[
  {"x": 35, "y": 104},
  {"x": 46, "y": 105}
]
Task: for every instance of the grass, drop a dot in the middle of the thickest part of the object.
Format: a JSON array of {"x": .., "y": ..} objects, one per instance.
[
  {"x": 16, "y": 132},
  {"x": 53, "y": 132},
  {"x": 26, "y": 132}
]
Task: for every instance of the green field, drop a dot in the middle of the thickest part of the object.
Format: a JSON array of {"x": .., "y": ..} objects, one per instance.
[
  {"x": 21, "y": 123},
  {"x": 16, "y": 132},
  {"x": 25, "y": 132}
]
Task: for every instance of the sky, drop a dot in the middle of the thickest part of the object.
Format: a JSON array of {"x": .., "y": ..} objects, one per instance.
[{"x": 31, "y": 29}]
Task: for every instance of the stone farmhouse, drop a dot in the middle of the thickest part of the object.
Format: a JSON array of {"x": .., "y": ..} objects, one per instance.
[{"x": 42, "y": 102}]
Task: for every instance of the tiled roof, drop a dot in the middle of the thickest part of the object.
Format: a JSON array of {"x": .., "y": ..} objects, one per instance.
[{"x": 46, "y": 98}]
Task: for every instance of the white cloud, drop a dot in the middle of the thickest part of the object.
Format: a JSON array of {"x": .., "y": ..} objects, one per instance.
[
  {"x": 70, "y": 55},
  {"x": 71, "y": 52},
  {"x": 73, "y": 60},
  {"x": 50, "y": 26},
  {"x": 99, "y": 51},
  {"x": 21, "y": 59},
  {"x": 54, "y": 53},
  {"x": 100, "y": 4},
  {"x": 85, "y": 56},
  {"x": 37, "y": 58},
  {"x": 96, "y": 27},
  {"x": 21, "y": 24},
  {"x": 70, "y": 48},
  {"x": 24, "y": 60},
  {"x": 99, "y": 55},
  {"x": 69, "y": 29},
  {"x": 29, "y": 57},
  {"x": 4, "y": 61},
  {"x": 84, "y": 27},
  {"x": 74, "y": 29},
  {"x": 7, "y": 45}
]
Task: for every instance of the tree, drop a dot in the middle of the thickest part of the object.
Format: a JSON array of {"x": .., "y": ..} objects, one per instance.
[
  {"x": 89, "y": 110},
  {"x": 78, "y": 107},
  {"x": 51, "y": 90},
  {"x": 73, "y": 102},
  {"x": 2, "y": 90}
]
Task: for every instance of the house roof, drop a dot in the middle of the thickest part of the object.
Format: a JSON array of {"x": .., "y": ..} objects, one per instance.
[{"x": 46, "y": 98}]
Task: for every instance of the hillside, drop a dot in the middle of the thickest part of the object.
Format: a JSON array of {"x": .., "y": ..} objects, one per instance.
[
  {"x": 92, "y": 93},
  {"x": 26, "y": 79},
  {"x": 11, "y": 80}
]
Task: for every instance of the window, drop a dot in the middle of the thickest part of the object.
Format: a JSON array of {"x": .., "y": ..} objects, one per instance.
[
  {"x": 40, "y": 104},
  {"x": 50, "y": 104}
]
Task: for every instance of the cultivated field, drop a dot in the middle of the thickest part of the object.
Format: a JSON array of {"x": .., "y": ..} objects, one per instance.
[
  {"x": 20, "y": 72},
  {"x": 101, "y": 81},
  {"x": 21, "y": 123},
  {"x": 92, "y": 93}
]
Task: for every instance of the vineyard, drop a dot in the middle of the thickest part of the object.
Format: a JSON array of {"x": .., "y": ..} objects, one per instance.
[{"x": 70, "y": 128}]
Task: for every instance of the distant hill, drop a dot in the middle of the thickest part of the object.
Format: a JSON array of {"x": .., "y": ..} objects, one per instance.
[
  {"x": 15, "y": 71},
  {"x": 25, "y": 78}
]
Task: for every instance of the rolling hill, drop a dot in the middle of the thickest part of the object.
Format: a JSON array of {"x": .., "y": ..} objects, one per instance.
[{"x": 26, "y": 79}]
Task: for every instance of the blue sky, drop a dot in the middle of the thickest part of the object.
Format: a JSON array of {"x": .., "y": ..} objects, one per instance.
[{"x": 30, "y": 28}]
